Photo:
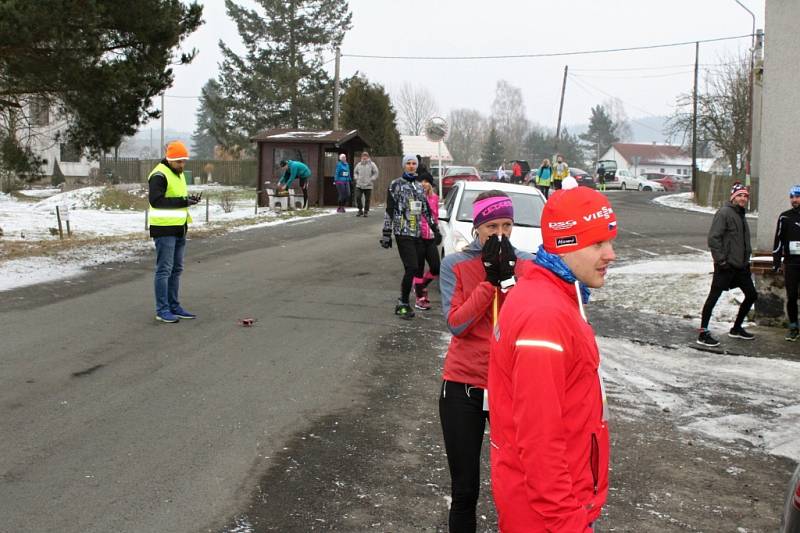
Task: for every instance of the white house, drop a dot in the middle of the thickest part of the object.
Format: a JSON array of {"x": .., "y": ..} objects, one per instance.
[
  {"x": 650, "y": 158},
  {"x": 43, "y": 133},
  {"x": 420, "y": 145}
]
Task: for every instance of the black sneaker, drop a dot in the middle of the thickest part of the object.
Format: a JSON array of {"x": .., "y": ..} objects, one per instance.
[
  {"x": 359, "y": 214},
  {"x": 741, "y": 333},
  {"x": 404, "y": 311},
  {"x": 706, "y": 339},
  {"x": 793, "y": 335}
]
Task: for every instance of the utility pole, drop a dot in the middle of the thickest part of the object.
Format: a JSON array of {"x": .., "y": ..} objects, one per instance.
[
  {"x": 561, "y": 109},
  {"x": 161, "y": 151},
  {"x": 336, "y": 89},
  {"x": 749, "y": 99},
  {"x": 694, "y": 116}
]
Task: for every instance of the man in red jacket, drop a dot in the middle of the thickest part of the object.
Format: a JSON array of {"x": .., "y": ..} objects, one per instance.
[{"x": 549, "y": 434}]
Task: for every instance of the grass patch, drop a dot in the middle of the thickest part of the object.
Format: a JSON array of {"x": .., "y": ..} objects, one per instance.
[{"x": 110, "y": 198}]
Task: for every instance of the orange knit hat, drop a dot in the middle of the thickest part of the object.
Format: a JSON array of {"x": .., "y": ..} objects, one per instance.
[{"x": 177, "y": 151}]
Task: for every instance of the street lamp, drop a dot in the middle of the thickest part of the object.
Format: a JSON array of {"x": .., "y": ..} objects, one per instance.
[{"x": 750, "y": 98}]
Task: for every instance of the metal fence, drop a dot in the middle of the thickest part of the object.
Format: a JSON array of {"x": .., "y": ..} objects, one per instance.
[
  {"x": 714, "y": 190},
  {"x": 134, "y": 170}
]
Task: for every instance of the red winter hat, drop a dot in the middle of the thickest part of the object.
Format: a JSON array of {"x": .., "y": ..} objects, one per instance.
[{"x": 576, "y": 218}]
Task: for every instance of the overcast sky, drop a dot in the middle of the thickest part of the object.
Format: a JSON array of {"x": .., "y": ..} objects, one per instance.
[{"x": 647, "y": 81}]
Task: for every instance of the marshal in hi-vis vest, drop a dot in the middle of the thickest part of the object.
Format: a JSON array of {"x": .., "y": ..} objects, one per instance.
[{"x": 176, "y": 188}]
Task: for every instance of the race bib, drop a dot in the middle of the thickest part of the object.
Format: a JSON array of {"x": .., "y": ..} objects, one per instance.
[
  {"x": 415, "y": 207},
  {"x": 794, "y": 247},
  {"x": 485, "y": 399}
]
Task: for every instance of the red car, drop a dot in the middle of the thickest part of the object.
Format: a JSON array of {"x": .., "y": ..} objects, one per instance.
[
  {"x": 669, "y": 182},
  {"x": 454, "y": 174}
]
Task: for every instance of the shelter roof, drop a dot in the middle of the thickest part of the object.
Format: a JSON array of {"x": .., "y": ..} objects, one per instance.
[{"x": 288, "y": 135}]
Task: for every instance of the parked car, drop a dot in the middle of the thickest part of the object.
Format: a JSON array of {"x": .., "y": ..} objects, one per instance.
[
  {"x": 454, "y": 174},
  {"x": 525, "y": 166},
  {"x": 670, "y": 183},
  {"x": 583, "y": 178},
  {"x": 455, "y": 216},
  {"x": 647, "y": 185},
  {"x": 621, "y": 179},
  {"x": 790, "y": 521},
  {"x": 488, "y": 175}
]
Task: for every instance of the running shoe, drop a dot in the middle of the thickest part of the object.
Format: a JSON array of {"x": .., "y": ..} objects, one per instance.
[
  {"x": 706, "y": 339},
  {"x": 741, "y": 333},
  {"x": 404, "y": 311},
  {"x": 793, "y": 335},
  {"x": 422, "y": 303}
]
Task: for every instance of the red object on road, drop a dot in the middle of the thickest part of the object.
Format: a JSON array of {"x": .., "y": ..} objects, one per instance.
[{"x": 247, "y": 322}]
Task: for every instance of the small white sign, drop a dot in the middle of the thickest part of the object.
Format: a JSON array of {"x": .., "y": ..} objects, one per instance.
[{"x": 64, "y": 212}]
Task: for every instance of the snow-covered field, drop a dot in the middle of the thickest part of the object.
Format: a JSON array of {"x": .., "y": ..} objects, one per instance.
[
  {"x": 22, "y": 220},
  {"x": 32, "y": 220}
]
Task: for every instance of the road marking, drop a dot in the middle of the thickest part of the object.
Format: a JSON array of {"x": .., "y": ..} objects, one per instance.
[
  {"x": 648, "y": 252},
  {"x": 635, "y": 233},
  {"x": 692, "y": 248}
]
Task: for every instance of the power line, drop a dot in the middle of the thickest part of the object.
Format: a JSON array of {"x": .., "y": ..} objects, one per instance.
[
  {"x": 634, "y": 77},
  {"x": 587, "y": 91},
  {"x": 587, "y": 84},
  {"x": 550, "y": 54}
]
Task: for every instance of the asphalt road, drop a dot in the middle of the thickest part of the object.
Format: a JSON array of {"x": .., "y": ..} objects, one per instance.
[{"x": 321, "y": 417}]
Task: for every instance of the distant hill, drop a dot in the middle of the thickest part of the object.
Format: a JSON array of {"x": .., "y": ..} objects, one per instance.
[{"x": 145, "y": 143}]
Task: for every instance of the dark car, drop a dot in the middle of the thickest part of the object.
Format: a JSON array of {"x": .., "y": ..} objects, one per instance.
[
  {"x": 583, "y": 178},
  {"x": 454, "y": 174}
]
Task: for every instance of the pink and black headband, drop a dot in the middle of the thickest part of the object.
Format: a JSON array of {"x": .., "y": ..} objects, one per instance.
[{"x": 492, "y": 208}]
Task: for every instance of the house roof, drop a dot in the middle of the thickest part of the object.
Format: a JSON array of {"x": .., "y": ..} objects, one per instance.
[
  {"x": 651, "y": 154},
  {"x": 287, "y": 135},
  {"x": 420, "y": 145}
]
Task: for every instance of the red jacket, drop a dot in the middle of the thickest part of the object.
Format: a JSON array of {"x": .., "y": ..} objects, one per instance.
[
  {"x": 467, "y": 305},
  {"x": 550, "y": 446}
]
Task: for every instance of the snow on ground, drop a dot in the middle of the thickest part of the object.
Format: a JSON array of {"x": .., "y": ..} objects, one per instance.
[
  {"x": 668, "y": 286},
  {"x": 32, "y": 221},
  {"x": 16, "y": 273},
  {"x": 39, "y": 193},
  {"x": 685, "y": 200},
  {"x": 719, "y": 397}
]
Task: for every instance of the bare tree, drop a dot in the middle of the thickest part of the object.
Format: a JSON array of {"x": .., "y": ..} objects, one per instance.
[
  {"x": 722, "y": 111},
  {"x": 508, "y": 116},
  {"x": 622, "y": 126},
  {"x": 468, "y": 130},
  {"x": 414, "y": 107}
]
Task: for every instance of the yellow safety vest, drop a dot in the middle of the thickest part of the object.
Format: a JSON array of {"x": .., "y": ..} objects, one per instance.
[{"x": 176, "y": 188}]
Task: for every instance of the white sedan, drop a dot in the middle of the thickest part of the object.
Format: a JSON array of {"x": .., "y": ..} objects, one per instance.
[
  {"x": 455, "y": 217},
  {"x": 648, "y": 185}
]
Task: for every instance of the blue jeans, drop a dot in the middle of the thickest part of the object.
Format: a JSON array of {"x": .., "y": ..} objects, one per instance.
[
  {"x": 343, "y": 190},
  {"x": 169, "y": 265}
]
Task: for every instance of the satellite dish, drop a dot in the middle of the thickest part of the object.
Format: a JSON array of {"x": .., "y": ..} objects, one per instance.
[{"x": 436, "y": 129}]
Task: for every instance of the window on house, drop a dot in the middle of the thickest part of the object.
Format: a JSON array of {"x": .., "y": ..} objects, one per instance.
[
  {"x": 70, "y": 153},
  {"x": 40, "y": 112}
]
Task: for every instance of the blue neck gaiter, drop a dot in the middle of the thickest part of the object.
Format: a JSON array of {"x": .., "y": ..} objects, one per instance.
[
  {"x": 409, "y": 177},
  {"x": 557, "y": 266}
]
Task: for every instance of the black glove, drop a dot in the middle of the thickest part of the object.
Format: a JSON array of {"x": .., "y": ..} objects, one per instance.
[
  {"x": 386, "y": 239},
  {"x": 724, "y": 265},
  {"x": 194, "y": 199},
  {"x": 508, "y": 259},
  {"x": 490, "y": 254},
  {"x": 437, "y": 237}
]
